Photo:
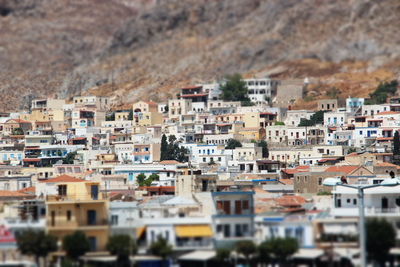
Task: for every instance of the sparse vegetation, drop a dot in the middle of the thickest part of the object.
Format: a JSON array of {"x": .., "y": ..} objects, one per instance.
[
  {"x": 333, "y": 93},
  {"x": 382, "y": 92},
  {"x": 316, "y": 118}
]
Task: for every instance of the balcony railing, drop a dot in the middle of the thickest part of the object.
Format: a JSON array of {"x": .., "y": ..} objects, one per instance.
[
  {"x": 79, "y": 223},
  {"x": 76, "y": 197}
]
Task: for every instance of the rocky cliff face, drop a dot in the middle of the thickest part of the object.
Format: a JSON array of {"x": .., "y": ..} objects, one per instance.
[{"x": 146, "y": 49}]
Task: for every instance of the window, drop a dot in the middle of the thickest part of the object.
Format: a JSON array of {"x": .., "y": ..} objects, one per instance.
[
  {"x": 114, "y": 219},
  {"x": 319, "y": 181},
  {"x": 69, "y": 215},
  {"x": 62, "y": 190}
]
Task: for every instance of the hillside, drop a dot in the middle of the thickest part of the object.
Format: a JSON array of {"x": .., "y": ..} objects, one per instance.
[{"x": 147, "y": 49}]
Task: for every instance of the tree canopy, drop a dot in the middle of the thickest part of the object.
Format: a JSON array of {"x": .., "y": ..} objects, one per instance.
[
  {"x": 36, "y": 243},
  {"x": 233, "y": 143},
  {"x": 122, "y": 246},
  {"x": 247, "y": 248},
  {"x": 280, "y": 249},
  {"x": 235, "y": 89},
  {"x": 265, "y": 152},
  {"x": 316, "y": 118},
  {"x": 170, "y": 149},
  {"x": 396, "y": 143},
  {"x": 382, "y": 92},
  {"x": 161, "y": 248},
  {"x": 17, "y": 131},
  {"x": 76, "y": 245},
  {"x": 69, "y": 159},
  {"x": 381, "y": 237}
]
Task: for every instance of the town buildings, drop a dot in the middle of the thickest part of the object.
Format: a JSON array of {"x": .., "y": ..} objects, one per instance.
[{"x": 223, "y": 173}]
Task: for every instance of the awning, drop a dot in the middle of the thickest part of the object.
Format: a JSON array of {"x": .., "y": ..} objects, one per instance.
[
  {"x": 337, "y": 228},
  {"x": 308, "y": 253},
  {"x": 193, "y": 231},
  {"x": 140, "y": 231},
  {"x": 198, "y": 255}
]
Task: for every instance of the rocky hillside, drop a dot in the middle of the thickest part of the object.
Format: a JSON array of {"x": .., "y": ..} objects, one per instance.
[{"x": 134, "y": 49}]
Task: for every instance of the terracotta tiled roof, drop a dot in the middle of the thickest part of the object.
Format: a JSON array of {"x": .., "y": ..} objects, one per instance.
[
  {"x": 388, "y": 113},
  {"x": 346, "y": 169},
  {"x": 290, "y": 201},
  {"x": 63, "y": 179},
  {"x": 169, "y": 162},
  {"x": 152, "y": 103},
  {"x": 6, "y": 193},
  {"x": 387, "y": 164},
  {"x": 29, "y": 190},
  {"x": 17, "y": 121},
  {"x": 354, "y": 154},
  {"x": 286, "y": 181},
  {"x": 384, "y": 138}
]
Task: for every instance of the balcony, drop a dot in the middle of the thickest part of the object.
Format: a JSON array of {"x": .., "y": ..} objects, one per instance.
[
  {"x": 369, "y": 211},
  {"x": 77, "y": 224},
  {"x": 82, "y": 198},
  {"x": 194, "y": 244}
]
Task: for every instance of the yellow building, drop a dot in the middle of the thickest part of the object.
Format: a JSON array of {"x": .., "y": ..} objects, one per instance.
[
  {"x": 78, "y": 205},
  {"x": 146, "y": 114}
]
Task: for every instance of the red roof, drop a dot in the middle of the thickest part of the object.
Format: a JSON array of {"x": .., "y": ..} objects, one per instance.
[
  {"x": 151, "y": 103},
  {"x": 290, "y": 201},
  {"x": 7, "y": 193},
  {"x": 31, "y": 159},
  {"x": 28, "y": 190},
  {"x": 346, "y": 169},
  {"x": 78, "y": 138},
  {"x": 192, "y": 87},
  {"x": 63, "y": 179},
  {"x": 388, "y": 113},
  {"x": 17, "y": 121},
  {"x": 169, "y": 162},
  {"x": 384, "y": 138},
  {"x": 194, "y": 95}
]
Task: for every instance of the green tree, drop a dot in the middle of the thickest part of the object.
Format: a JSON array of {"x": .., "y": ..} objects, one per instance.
[
  {"x": 264, "y": 253},
  {"x": 396, "y": 143},
  {"x": 281, "y": 248},
  {"x": 110, "y": 116},
  {"x": 69, "y": 159},
  {"x": 36, "y": 243},
  {"x": 164, "y": 148},
  {"x": 316, "y": 118},
  {"x": 279, "y": 123},
  {"x": 154, "y": 177},
  {"x": 265, "y": 152},
  {"x": 247, "y": 249},
  {"x": 17, "y": 131},
  {"x": 381, "y": 93},
  {"x": 223, "y": 255},
  {"x": 235, "y": 89},
  {"x": 141, "y": 179},
  {"x": 381, "y": 237},
  {"x": 233, "y": 143},
  {"x": 121, "y": 246},
  {"x": 170, "y": 150},
  {"x": 130, "y": 115},
  {"x": 161, "y": 248},
  {"x": 76, "y": 245},
  {"x": 351, "y": 150}
]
